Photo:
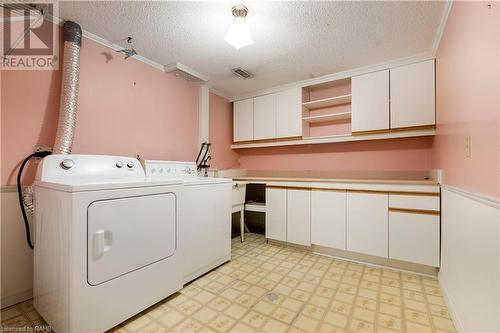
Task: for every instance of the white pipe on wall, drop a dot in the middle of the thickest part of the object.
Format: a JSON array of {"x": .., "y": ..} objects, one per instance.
[{"x": 204, "y": 113}]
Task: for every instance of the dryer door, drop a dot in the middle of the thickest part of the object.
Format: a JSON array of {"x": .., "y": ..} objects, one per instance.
[{"x": 126, "y": 234}]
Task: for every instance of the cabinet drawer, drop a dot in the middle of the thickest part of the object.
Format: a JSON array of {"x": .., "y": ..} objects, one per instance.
[
  {"x": 414, "y": 238},
  {"x": 405, "y": 201}
]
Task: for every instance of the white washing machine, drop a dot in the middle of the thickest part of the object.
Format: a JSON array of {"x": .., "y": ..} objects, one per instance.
[
  {"x": 107, "y": 241},
  {"x": 205, "y": 216}
]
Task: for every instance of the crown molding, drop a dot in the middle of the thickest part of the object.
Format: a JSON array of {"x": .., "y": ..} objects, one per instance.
[
  {"x": 220, "y": 93},
  {"x": 105, "y": 42},
  {"x": 442, "y": 25}
]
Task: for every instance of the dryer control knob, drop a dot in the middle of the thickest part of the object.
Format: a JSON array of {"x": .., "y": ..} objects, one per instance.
[
  {"x": 67, "y": 164},
  {"x": 119, "y": 164},
  {"x": 130, "y": 165}
]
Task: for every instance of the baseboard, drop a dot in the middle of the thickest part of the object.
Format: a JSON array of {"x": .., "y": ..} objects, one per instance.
[
  {"x": 16, "y": 298},
  {"x": 451, "y": 308},
  {"x": 399, "y": 265},
  {"x": 363, "y": 258}
]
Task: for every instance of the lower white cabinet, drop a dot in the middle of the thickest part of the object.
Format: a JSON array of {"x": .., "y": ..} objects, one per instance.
[
  {"x": 276, "y": 211},
  {"x": 328, "y": 218},
  {"x": 400, "y": 225},
  {"x": 414, "y": 237},
  {"x": 368, "y": 223},
  {"x": 299, "y": 217},
  {"x": 288, "y": 215}
]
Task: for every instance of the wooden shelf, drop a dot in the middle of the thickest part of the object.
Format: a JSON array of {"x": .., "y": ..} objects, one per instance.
[
  {"x": 327, "y": 117},
  {"x": 253, "y": 206},
  {"x": 338, "y": 138},
  {"x": 323, "y": 103}
]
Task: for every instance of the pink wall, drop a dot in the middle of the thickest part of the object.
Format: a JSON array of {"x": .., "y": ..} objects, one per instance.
[
  {"x": 386, "y": 155},
  {"x": 221, "y": 133},
  {"x": 467, "y": 98},
  {"x": 125, "y": 107}
]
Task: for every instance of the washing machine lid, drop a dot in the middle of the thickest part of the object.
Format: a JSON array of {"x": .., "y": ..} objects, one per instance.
[{"x": 73, "y": 173}]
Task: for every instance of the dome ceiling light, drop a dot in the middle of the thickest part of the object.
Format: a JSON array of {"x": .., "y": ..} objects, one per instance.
[{"x": 238, "y": 34}]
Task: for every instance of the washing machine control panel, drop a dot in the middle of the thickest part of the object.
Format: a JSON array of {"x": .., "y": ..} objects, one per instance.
[{"x": 170, "y": 169}]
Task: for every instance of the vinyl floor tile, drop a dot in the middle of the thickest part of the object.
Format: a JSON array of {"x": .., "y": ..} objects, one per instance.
[{"x": 273, "y": 288}]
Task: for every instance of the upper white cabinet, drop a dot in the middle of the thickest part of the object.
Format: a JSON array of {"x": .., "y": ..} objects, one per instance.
[
  {"x": 289, "y": 113},
  {"x": 270, "y": 116},
  {"x": 413, "y": 95},
  {"x": 243, "y": 120},
  {"x": 299, "y": 216},
  {"x": 370, "y": 102},
  {"x": 392, "y": 103},
  {"x": 368, "y": 223},
  {"x": 328, "y": 218},
  {"x": 264, "y": 113},
  {"x": 276, "y": 213}
]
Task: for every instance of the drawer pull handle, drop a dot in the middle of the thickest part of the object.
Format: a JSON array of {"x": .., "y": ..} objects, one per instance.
[{"x": 414, "y": 211}]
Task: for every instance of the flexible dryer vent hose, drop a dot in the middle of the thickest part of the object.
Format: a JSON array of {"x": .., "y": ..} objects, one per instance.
[
  {"x": 69, "y": 88},
  {"x": 69, "y": 98}
]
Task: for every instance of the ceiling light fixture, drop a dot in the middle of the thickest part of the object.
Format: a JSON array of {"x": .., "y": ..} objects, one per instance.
[{"x": 238, "y": 34}]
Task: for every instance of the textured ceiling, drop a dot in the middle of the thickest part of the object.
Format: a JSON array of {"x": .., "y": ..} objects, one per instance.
[{"x": 292, "y": 40}]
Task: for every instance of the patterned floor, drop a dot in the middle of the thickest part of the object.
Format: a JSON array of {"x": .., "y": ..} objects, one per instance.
[{"x": 271, "y": 288}]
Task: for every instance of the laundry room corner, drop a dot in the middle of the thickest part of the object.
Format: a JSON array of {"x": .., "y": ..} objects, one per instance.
[{"x": 140, "y": 102}]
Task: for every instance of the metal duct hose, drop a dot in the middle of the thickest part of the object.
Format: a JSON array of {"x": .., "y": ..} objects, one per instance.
[
  {"x": 69, "y": 98},
  {"x": 69, "y": 88}
]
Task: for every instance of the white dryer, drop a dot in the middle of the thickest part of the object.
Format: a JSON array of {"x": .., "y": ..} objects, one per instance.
[
  {"x": 107, "y": 241},
  {"x": 205, "y": 216}
]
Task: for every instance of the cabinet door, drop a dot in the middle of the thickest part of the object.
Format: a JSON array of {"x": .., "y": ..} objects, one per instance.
[
  {"x": 289, "y": 113},
  {"x": 414, "y": 238},
  {"x": 370, "y": 102},
  {"x": 276, "y": 213},
  {"x": 264, "y": 117},
  {"x": 299, "y": 217},
  {"x": 413, "y": 95},
  {"x": 328, "y": 218},
  {"x": 367, "y": 223},
  {"x": 243, "y": 120}
]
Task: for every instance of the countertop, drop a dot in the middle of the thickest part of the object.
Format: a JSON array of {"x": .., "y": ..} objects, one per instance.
[
  {"x": 338, "y": 180},
  {"x": 354, "y": 177}
]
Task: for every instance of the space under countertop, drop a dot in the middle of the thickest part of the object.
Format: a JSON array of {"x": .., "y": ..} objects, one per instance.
[{"x": 358, "y": 177}]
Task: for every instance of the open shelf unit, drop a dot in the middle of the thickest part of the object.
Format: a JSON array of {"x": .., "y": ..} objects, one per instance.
[{"x": 326, "y": 109}]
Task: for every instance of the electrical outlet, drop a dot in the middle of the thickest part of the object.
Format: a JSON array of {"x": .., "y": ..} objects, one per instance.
[
  {"x": 467, "y": 146},
  {"x": 38, "y": 148}
]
